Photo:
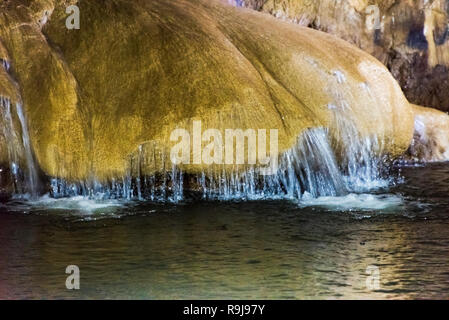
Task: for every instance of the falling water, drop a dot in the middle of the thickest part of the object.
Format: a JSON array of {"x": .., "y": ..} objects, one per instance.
[
  {"x": 25, "y": 181},
  {"x": 32, "y": 177},
  {"x": 323, "y": 163},
  {"x": 361, "y": 158},
  {"x": 316, "y": 166},
  {"x": 11, "y": 139},
  {"x": 19, "y": 151},
  {"x": 310, "y": 168}
]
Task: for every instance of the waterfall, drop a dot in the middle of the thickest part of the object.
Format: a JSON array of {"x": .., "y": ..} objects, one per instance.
[
  {"x": 312, "y": 168},
  {"x": 331, "y": 161},
  {"x": 361, "y": 157},
  {"x": 158, "y": 187},
  {"x": 32, "y": 177},
  {"x": 19, "y": 151},
  {"x": 11, "y": 140},
  {"x": 334, "y": 161}
]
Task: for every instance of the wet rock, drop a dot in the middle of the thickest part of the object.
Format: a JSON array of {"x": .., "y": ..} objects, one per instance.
[
  {"x": 137, "y": 70},
  {"x": 411, "y": 38},
  {"x": 431, "y": 141}
]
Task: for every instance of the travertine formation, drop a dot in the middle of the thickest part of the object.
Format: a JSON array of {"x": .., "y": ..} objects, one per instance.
[
  {"x": 431, "y": 138},
  {"x": 137, "y": 70}
]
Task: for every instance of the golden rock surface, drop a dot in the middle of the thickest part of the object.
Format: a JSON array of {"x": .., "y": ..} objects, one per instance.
[
  {"x": 431, "y": 139},
  {"x": 136, "y": 70}
]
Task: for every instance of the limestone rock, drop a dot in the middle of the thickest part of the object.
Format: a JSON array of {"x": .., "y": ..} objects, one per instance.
[
  {"x": 431, "y": 141},
  {"x": 409, "y": 37},
  {"x": 137, "y": 70}
]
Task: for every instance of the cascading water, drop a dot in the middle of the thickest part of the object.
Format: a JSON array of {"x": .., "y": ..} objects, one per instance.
[
  {"x": 19, "y": 151},
  {"x": 361, "y": 158},
  {"x": 32, "y": 177},
  {"x": 323, "y": 163},
  {"x": 310, "y": 168},
  {"x": 11, "y": 139}
]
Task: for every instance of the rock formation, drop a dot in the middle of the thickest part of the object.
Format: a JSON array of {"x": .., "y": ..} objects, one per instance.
[
  {"x": 96, "y": 98},
  {"x": 431, "y": 139},
  {"x": 409, "y": 37}
]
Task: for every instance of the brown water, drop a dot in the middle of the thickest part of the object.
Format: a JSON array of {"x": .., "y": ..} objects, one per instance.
[{"x": 242, "y": 250}]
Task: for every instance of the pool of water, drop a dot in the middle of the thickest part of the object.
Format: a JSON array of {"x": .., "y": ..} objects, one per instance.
[{"x": 315, "y": 249}]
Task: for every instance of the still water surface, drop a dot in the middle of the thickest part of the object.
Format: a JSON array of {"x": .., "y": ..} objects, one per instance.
[{"x": 237, "y": 250}]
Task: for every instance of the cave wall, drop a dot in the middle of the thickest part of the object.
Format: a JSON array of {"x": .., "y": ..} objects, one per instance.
[{"x": 411, "y": 37}]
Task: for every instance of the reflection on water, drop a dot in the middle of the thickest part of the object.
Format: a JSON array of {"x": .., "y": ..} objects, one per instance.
[{"x": 319, "y": 248}]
